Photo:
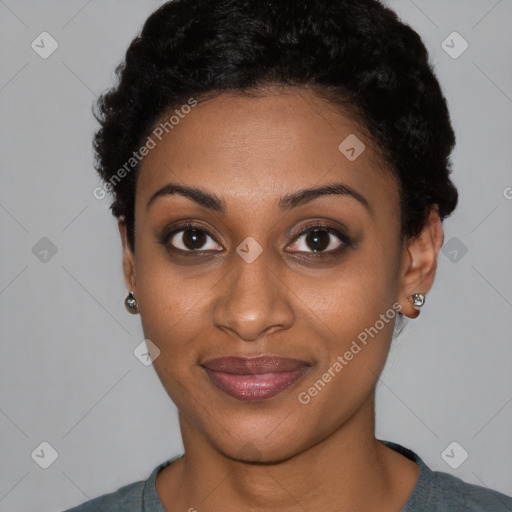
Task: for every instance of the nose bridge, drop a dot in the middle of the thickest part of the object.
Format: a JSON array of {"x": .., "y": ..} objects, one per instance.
[{"x": 253, "y": 300}]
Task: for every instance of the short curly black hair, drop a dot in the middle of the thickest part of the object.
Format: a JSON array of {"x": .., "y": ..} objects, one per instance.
[{"x": 358, "y": 53}]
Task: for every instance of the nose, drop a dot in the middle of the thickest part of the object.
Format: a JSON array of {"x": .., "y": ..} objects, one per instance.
[{"x": 253, "y": 300}]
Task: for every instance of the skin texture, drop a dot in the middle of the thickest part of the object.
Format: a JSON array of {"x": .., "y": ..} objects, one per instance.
[{"x": 250, "y": 151}]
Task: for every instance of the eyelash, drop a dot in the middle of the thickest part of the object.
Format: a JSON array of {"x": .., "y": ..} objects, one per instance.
[{"x": 344, "y": 239}]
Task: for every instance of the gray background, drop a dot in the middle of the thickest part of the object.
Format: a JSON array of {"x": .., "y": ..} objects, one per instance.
[{"x": 68, "y": 373}]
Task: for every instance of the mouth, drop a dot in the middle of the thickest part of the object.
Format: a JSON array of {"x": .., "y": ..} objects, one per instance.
[{"x": 254, "y": 378}]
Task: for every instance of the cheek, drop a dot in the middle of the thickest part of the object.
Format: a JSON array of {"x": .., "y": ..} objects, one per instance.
[
  {"x": 167, "y": 292},
  {"x": 353, "y": 296},
  {"x": 171, "y": 303},
  {"x": 354, "y": 310},
  {"x": 355, "y": 328}
]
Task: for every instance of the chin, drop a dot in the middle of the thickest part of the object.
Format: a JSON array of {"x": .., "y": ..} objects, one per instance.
[
  {"x": 268, "y": 440},
  {"x": 252, "y": 452}
]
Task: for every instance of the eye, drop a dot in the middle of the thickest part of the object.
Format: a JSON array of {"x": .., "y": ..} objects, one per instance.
[
  {"x": 191, "y": 238},
  {"x": 320, "y": 239},
  {"x": 317, "y": 240}
]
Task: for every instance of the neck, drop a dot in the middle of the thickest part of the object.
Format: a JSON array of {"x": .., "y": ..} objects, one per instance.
[{"x": 347, "y": 470}]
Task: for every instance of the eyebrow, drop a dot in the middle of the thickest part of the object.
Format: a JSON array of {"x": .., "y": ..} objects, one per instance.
[{"x": 301, "y": 197}]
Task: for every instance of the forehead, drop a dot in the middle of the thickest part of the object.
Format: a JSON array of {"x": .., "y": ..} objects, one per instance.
[{"x": 252, "y": 150}]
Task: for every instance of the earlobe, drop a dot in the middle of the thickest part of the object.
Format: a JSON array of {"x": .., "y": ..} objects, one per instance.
[
  {"x": 420, "y": 264},
  {"x": 128, "y": 258}
]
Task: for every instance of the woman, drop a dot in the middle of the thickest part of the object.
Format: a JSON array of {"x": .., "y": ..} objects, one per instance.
[{"x": 280, "y": 171}]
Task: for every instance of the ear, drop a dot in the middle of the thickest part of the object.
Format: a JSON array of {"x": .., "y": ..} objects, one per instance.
[
  {"x": 419, "y": 262},
  {"x": 128, "y": 257}
]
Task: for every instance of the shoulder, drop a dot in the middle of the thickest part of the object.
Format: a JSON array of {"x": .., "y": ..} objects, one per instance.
[
  {"x": 134, "y": 497},
  {"x": 126, "y": 499},
  {"x": 452, "y": 493},
  {"x": 437, "y": 491}
]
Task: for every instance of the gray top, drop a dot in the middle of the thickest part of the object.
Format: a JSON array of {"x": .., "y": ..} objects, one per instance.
[{"x": 435, "y": 491}]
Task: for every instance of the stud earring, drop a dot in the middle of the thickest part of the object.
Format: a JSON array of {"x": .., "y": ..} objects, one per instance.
[
  {"x": 418, "y": 300},
  {"x": 131, "y": 303}
]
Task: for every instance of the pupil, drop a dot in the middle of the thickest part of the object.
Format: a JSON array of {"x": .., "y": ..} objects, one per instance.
[
  {"x": 194, "y": 238},
  {"x": 319, "y": 239}
]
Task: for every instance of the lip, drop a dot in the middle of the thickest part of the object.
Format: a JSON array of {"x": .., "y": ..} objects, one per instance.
[{"x": 254, "y": 378}]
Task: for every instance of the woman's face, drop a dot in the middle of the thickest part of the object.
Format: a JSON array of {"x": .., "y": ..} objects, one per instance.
[{"x": 249, "y": 282}]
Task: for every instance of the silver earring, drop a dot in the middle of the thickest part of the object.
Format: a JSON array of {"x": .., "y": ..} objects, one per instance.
[
  {"x": 131, "y": 303},
  {"x": 418, "y": 299}
]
